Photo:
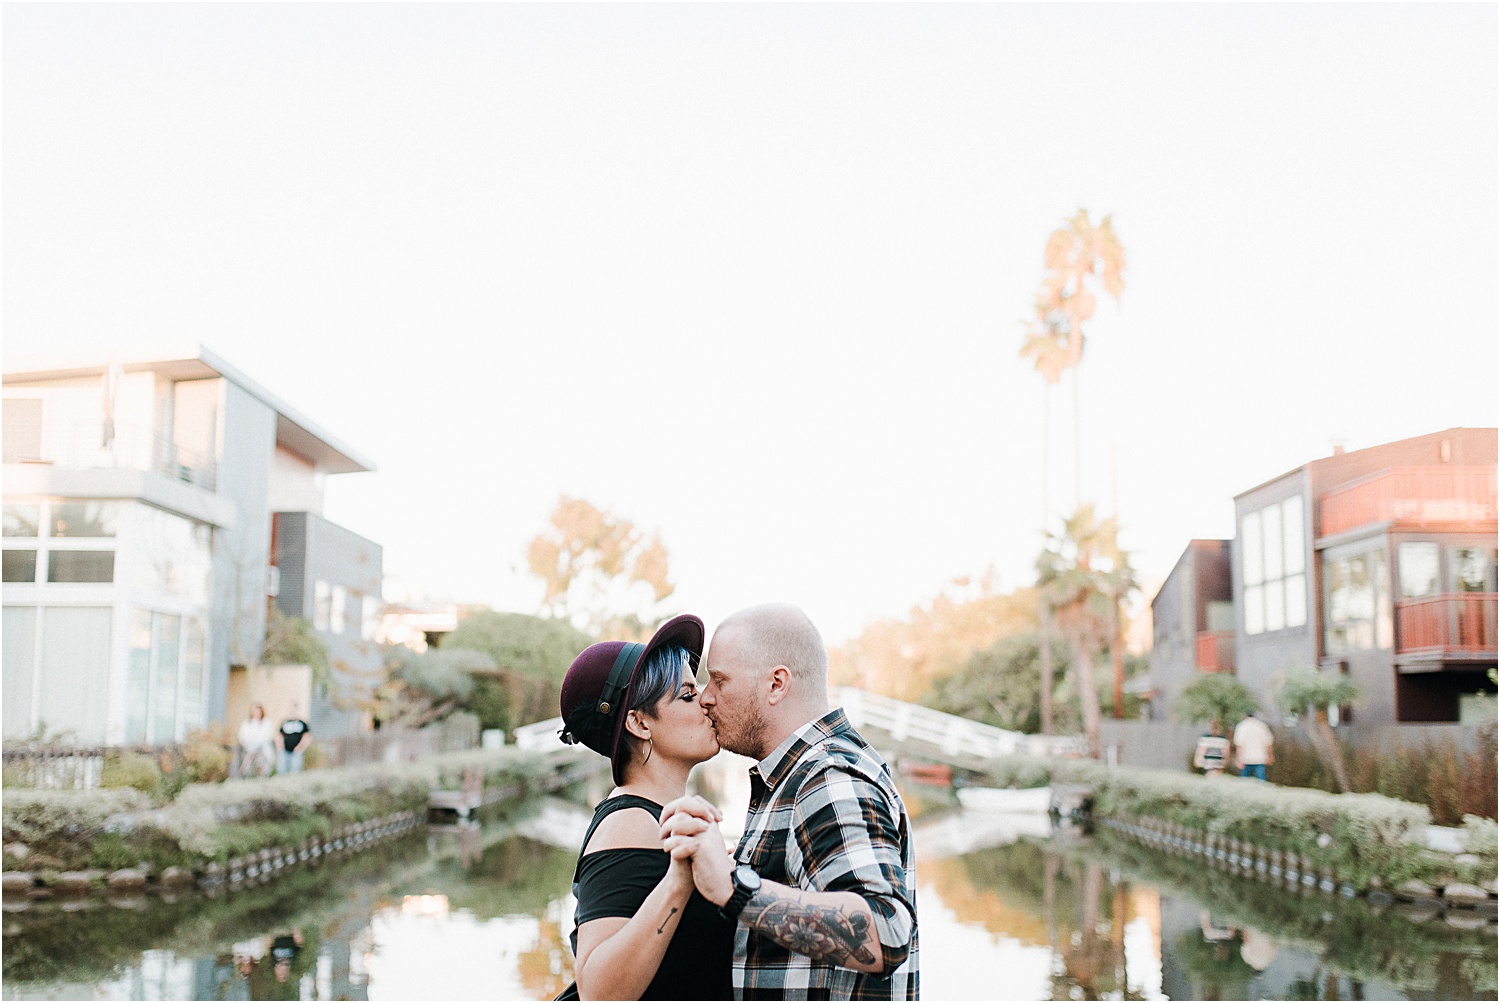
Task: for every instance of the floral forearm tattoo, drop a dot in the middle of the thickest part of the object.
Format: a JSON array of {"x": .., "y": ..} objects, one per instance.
[{"x": 822, "y": 932}]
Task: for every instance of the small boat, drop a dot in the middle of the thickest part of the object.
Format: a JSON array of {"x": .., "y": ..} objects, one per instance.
[
  {"x": 997, "y": 799},
  {"x": 940, "y": 774}
]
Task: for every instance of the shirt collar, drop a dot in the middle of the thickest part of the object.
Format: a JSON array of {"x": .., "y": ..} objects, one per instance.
[{"x": 773, "y": 769}]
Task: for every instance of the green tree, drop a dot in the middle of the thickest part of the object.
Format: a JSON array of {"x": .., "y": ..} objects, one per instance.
[
  {"x": 530, "y": 655},
  {"x": 600, "y": 571},
  {"x": 1309, "y": 693},
  {"x": 1214, "y": 698},
  {"x": 1083, "y": 574},
  {"x": 290, "y": 640},
  {"x": 998, "y": 685}
]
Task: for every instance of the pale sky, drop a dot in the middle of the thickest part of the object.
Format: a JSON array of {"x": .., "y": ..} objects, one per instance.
[{"x": 754, "y": 276}]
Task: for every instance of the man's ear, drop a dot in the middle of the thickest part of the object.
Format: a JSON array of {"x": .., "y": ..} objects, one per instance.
[
  {"x": 781, "y": 684},
  {"x": 637, "y": 725}
]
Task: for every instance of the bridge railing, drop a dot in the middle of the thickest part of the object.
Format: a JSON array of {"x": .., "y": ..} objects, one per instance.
[
  {"x": 950, "y": 734},
  {"x": 541, "y": 736}
]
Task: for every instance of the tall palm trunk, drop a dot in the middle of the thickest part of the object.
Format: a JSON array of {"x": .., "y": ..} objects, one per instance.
[
  {"x": 1117, "y": 657},
  {"x": 1045, "y": 651},
  {"x": 1088, "y": 695},
  {"x": 1321, "y": 733}
]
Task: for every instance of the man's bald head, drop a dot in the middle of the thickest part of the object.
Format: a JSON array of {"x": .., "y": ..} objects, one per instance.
[{"x": 780, "y": 634}]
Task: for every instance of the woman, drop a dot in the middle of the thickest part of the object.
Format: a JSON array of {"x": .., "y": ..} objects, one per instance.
[
  {"x": 257, "y": 748},
  {"x": 642, "y": 932}
]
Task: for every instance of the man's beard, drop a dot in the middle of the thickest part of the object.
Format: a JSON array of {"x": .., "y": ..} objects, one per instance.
[{"x": 743, "y": 736}]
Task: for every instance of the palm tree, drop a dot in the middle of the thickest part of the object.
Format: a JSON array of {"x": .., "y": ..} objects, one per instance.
[
  {"x": 1078, "y": 255},
  {"x": 1082, "y": 574},
  {"x": 1054, "y": 344}
]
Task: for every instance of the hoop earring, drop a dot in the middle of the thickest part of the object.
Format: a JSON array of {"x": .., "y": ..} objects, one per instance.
[{"x": 649, "y": 748}]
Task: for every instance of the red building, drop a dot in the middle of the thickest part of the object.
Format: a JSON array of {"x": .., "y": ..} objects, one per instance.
[{"x": 1379, "y": 563}]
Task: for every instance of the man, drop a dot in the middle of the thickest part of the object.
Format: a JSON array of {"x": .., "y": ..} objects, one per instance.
[
  {"x": 822, "y": 882},
  {"x": 1252, "y": 747},
  {"x": 293, "y": 731}
]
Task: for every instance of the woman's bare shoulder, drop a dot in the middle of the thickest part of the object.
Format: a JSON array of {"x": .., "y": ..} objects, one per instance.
[{"x": 628, "y": 828}]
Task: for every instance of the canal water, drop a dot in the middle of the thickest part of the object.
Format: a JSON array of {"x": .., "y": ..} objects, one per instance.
[{"x": 1008, "y": 910}]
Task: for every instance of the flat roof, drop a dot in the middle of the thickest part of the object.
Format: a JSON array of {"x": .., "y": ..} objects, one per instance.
[{"x": 294, "y": 431}]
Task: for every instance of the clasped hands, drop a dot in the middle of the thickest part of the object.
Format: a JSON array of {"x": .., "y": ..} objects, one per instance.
[{"x": 690, "y": 833}]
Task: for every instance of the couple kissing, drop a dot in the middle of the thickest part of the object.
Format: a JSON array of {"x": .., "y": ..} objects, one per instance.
[{"x": 819, "y": 899}]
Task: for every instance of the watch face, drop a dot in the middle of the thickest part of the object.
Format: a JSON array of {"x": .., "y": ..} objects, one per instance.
[{"x": 745, "y": 875}]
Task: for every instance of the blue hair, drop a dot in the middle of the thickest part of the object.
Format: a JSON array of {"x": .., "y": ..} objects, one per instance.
[{"x": 657, "y": 679}]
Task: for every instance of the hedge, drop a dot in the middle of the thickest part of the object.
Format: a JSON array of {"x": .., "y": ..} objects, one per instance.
[
  {"x": 1359, "y": 836},
  {"x": 112, "y": 828}
]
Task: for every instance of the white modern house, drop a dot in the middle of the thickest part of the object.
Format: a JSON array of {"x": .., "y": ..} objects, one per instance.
[{"x": 139, "y": 494}]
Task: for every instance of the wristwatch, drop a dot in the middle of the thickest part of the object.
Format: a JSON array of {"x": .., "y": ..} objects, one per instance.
[{"x": 746, "y": 884}]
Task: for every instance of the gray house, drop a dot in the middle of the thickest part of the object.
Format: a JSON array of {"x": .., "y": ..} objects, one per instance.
[
  {"x": 138, "y": 500},
  {"x": 1192, "y": 622},
  {"x": 1378, "y": 563}
]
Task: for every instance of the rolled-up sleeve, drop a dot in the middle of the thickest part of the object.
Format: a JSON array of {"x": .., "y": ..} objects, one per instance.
[{"x": 848, "y": 836}]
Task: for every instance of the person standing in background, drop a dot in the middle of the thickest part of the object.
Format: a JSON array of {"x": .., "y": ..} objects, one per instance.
[
  {"x": 1252, "y": 747},
  {"x": 294, "y": 732},
  {"x": 256, "y": 743}
]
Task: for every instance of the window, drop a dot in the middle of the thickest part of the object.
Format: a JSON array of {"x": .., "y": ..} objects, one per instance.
[
  {"x": 336, "y": 610},
  {"x": 23, "y": 429},
  {"x": 22, "y": 519},
  {"x": 1358, "y": 602},
  {"x": 177, "y": 553},
  {"x": 320, "y": 605},
  {"x": 1273, "y": 563},
  {"x": 90, "y": 518},
  {"x": 1418, "y": 569},
  {"x": 369, "y": 618},
  {"x": 168, "y": 651},
  {"x": 20, "y": 566},
  {"x": 81, "y": 566},
  {"x": 75, "y": 654},
  {"x": 1471, "y": 569},
  {"x": 163, "y": 678},
  {"x": 138, "y": 677}
]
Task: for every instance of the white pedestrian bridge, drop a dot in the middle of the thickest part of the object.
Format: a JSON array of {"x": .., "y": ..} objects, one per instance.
[{"x": 895, "y": 724}]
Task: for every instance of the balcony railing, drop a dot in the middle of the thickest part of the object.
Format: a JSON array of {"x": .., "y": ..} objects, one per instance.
[
  {"x": 1216, "y": 650},
  {"x": 1411, "y": 496},
  {"x": 1458, "y": 624},
  {"x": 132, "y": 448}
]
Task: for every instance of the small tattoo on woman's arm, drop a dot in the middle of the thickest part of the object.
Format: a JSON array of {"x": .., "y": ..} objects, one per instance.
[{"x": 667, "y": 920}]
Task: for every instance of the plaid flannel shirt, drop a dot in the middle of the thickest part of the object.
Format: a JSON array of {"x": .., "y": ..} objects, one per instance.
[{"x": 825, "y": 816}]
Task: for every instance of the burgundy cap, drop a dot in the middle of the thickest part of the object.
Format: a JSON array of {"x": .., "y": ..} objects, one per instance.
[{"x": 599, "y": 723}]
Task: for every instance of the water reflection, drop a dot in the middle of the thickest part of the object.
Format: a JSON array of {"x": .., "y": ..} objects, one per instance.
[{"x": 483, "y": 913}]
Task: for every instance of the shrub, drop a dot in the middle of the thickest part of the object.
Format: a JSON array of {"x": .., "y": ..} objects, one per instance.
[
  {"x": 112, "y": 827},
  {"x": 1214, "y": 697},
  {"x": 131, "y": 769},
  {"x": 1020, "y": 771},
  {"x": 1369, "y": 835},
  {"x": 1450, "y": 780}
]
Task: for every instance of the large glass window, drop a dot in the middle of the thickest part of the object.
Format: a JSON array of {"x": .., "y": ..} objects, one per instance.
[
  {"x": 191, "y": 710},
  {"x": 369, "y": 620},
  {"x": 336, "y": 609},
  {"x": 19, "y": 659},
  {"x": 22, "y": 519},
  {"x": 168, "y": 644},
  {"x": 84, "y": 518},
  {"x": 177, "y": 554},
  {"x": 1419, "y": 569},
  {"x": 20, "y": 565},
  {"x": 164, "y": 677},
  {"x": 81, "y": 566},
  {"x": 1358, "y": 602},
  {"x": 1273, "y": 566},
  {"x": 74, "y": 693},
  {"x": 320, "y": 605},
  {"x": 1471, "y": 569},
  {"x": 138, "y": 677}
]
